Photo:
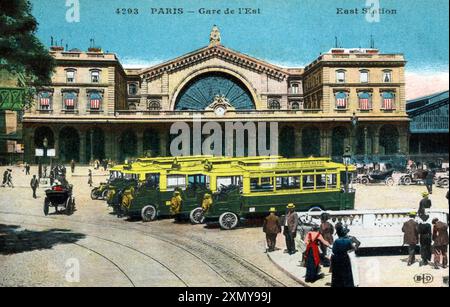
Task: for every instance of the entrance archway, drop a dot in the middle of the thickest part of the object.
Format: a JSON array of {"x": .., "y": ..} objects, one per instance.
[
  {"x": 287, "y": 142},
  {"x": 389, "y": 140},
  {"x": 152, "y": 143},
  {"x": 40, "y": 134},
  {"x": 69, "y": 144},
  {"x": 98, "y": 145},
  {"x": 128, "y": 145},
  {"x": 311, "y": 141},
  {"x": 339, "y": 140}
]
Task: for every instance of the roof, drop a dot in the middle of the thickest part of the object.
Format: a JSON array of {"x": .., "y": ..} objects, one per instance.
[{"x": 414, "y": 105}]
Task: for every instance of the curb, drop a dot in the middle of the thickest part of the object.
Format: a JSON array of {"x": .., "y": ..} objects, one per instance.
[{"x": 300, "y": 281}]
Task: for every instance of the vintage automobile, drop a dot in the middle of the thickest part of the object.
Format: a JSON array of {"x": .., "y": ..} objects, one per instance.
[
  {"x": 414, "y": 177},
  {"x": 377, "y": 177},
  {"x": 100, "y": 192},
  {"x": 60, "y": 195},
  {"x": 442, "y": 180},
  {"x": 250, "y": 189}
]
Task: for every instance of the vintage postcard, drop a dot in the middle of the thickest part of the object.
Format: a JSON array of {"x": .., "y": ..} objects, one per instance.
[{"x": 220, "y": 144}]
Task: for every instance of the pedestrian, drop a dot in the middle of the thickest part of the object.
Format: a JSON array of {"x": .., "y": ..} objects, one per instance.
[
  {"x": 411, "y": 237},
  {"x": 72, "y": 166},
  {"x": 312, "y": 254},
  {"x": 27, "y": 169},
  {"x": 425, "y": 239},
  {"x": 90, "y": 178},
  {"x": 5, "y": 178},
  {"x": 440, "y": 238},
  {"x": 271, "y": 227},
  {"x": 52, "y": 176},
  {"x": 290, "y": 229},
  {"x": 45, "y": 171},
  {"x": 327, "y": 231},
  {"x": 343, "y": 274},
  {"x": 9, "y": 179},
  {"x": 425, "y": 203},
  {"x": 34, "y": 185},
  {"x": 429, "y": 180}
]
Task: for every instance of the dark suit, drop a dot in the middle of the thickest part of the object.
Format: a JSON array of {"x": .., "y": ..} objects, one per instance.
[
  {"x": 271, "y": 227},
  {"x": 34, "y": 185},
  {"x": 411, "y": 238},
  {"x": 440, "y": 238},
  {"x": 424, "y": 230},
  {"x": 290, "y": 231}
]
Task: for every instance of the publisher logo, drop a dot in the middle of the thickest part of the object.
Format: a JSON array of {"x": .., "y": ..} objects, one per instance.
[{"x": 423, "y": 278}]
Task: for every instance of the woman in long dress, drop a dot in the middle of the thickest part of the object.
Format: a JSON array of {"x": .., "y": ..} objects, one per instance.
[
  {"x": 344, "y": 274},
  {"x": 312, "y": 254}
]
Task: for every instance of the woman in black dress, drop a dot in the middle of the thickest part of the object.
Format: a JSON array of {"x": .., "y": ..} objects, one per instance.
[{"x": 340, "y": 261}]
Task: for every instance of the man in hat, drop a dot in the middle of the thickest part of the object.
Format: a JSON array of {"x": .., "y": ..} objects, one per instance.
[
  {"x": 424, "y": 230},
  {"x": 290, "y": 228},
  {"x": 411, "y": 237},
  {"x": 327, "y": 231},
  {"x": 271, "y": 227},
  {"x": 34, "y": 185},
  {"x": 425, "y": 203},
  {"x": 5, "y": 178},
  {"x": 440, "y": 238}
]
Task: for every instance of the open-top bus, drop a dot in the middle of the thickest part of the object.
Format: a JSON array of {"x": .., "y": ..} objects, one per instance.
[{"x": 251, "y": 188}]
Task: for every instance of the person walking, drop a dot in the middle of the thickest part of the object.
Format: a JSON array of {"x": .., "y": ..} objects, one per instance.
[
  {"x": 72, "y": 166},
  {"x": 425, "y": 203},
  {"x": 271, "y": 227},
  {"x": 327, "y": 231},
  {"x": 429, "y": 181},
  {"x": 290, "y": 229},
  {"x": 90, "y": 182},
  {"x": 5, "y": 178},
  {"x": 34, "y": 185},
  {"x": 9, "y": 180},
  {"x": 425, "y": 239},
  {"x": 343, "y": 273},
  {"x": 440, "y": 246},
  {"x": 411, "y": 237},
  {"x": 312, "y": 254},
  {"x": 27, "y": 169}
]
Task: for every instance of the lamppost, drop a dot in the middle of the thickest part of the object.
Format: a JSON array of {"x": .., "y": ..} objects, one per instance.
[
  {"x": 366, "y": 150},
  {"x": 346, "y": 159}
]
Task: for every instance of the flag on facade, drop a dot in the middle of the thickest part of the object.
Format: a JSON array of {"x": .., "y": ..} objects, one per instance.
[
  {"x": 95, "y": 103},
  {"x": 388, "y": 101},
  {"x": 341, "y": 100},
  {"x": 45, "y": 101},
  {"x": 69, "y": 102},
  {"x": 364, "y": 104}
]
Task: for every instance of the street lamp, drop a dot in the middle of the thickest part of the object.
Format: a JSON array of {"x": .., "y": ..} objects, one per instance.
[
  {"x": 346, "y": 159},
  {"x": 354, "y": 120}
]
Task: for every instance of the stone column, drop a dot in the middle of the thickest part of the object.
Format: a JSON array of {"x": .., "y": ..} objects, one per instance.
[
  {"x": 403, "y": 139},
  {"x": 163, "y": 143},
  {"x": 83, "y": 158},
  {"x": 140, "y": 143}
]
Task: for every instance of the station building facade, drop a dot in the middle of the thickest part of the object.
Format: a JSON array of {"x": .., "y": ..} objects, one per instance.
[{"x": 96, "y": 109}]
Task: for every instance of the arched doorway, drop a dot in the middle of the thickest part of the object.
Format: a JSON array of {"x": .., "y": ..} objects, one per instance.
[
  {"x": 287, "y": 142},
  {"x": 40, "y": 134},
  {"x": 389, "y": 140},
  {"x": 97, "y": 147},
  {"x": 364, "y": 136},
  {"x": 128, "y": 145},
  {"x": 200, "y": 92},
  {"x": 311, "y": 141},
  {"x": 339, "y": 139},
  {"x": 151, "y": 143},
  {"x": 69, "y": 144}
]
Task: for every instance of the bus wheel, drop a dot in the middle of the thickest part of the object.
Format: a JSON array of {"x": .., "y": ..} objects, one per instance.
[
  {"x": 228, "y": 220},
  {"x": 148, "y": 213},
  {"x": 196, "y": 216}
]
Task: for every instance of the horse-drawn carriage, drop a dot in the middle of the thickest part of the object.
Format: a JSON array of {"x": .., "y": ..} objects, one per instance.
[
  {"x": 60, "y": 195},
  {"x": 377, "y": 177}
]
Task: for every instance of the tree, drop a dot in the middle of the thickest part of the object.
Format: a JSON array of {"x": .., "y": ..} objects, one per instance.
[{"x": 21, "y": 52}]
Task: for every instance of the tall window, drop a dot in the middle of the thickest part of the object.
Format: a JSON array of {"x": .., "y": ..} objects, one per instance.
[
  {"x": 95, "y": 76},
  {"x": 365, "y": 101},
  {"x": 70, "y": 76},
  {"x": 294, "y": 88},
  {"x": 341, "y": 100},
  {"x": 388, "y": 100},
  {"x": 95, "y": 101},
  {"x": 45, "y": 101},
  {"x": 132, "y": 89},
  {"x": 364, "y": 76},
  {"x": 387, "y": 76},
  {"x": 69, "y": 101},
  {"x": 340, "y": 76}
]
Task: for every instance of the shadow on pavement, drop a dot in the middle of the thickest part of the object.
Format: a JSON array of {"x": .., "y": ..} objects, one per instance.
[{"x": 16, "y": 241}]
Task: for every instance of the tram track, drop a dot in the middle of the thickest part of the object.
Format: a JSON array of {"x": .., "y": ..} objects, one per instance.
[{"x": 227, "y": 265}]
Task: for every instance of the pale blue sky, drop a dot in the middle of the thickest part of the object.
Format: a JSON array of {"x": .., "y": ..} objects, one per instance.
[{"x": 289, "y": 32}]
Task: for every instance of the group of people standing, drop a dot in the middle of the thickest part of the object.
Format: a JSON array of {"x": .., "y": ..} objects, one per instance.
[{"x": 321, "y": 248}]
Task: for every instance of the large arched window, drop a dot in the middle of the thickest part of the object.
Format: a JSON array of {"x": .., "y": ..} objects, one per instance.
[
  {"x": 389, "y": 140},
  {"x": 201, "y": 92}
]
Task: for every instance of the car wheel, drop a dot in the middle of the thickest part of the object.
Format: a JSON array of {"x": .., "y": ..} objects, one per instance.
[
  {"x": 197, "y": 216},
  {"x": 407, "y": 181},
  {"x": 94, "y": 194},
  {"x": 444, "y": 183},
  {"x": 148, "y": 213},
  {"x": 365, "y": 181},
  {"x": 104, "y": 194},
  {"x": 390, "y": 181},
  {"x": 228, "y": 220}
]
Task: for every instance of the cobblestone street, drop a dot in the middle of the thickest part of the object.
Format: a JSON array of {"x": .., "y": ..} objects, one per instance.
[{"x": 42, "y": 251}]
